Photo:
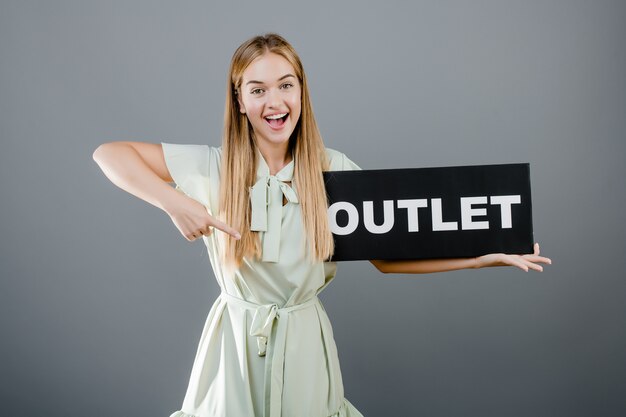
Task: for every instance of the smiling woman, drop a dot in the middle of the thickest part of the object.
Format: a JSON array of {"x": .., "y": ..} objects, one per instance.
[{"x": 267, "y": 348}]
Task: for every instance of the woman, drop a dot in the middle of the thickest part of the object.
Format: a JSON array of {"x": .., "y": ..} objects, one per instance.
[{"x": 267, "y": 348}]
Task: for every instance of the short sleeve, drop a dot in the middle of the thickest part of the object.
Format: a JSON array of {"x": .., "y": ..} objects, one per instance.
[
  {"x": 189, "y": 168},
  {"x": 338, "y": 161},
  {"x": 349, "y": 165}
]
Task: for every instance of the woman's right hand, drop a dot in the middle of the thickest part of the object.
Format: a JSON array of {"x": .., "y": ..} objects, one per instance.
[{"x": 193, "y": 220}]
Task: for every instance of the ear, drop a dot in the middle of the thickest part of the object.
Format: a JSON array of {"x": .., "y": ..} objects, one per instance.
[{"x": 242, "y": 108}]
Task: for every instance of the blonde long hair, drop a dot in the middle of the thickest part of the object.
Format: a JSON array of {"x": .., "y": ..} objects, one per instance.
[{"x": 239, "y": 160}]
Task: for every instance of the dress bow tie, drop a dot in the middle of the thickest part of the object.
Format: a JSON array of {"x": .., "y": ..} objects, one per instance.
[{"x": 266, "y": 197}]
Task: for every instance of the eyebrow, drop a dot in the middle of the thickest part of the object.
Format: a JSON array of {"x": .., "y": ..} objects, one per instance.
[{"x": 261, "y": 82}]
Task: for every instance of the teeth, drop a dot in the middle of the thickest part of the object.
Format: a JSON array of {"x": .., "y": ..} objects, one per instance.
[{"x": 276, "y": 116}]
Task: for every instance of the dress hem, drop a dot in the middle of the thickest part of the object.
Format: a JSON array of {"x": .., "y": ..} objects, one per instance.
[{"x": 345, "y": 410}]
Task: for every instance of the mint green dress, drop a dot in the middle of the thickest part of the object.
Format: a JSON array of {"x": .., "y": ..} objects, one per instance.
[{"x": 267, "y": 348}]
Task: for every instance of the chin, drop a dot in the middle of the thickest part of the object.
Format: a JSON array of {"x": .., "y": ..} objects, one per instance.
[
  {"x": 279, "y": 141},
  {"x": 276, "y": 139}
]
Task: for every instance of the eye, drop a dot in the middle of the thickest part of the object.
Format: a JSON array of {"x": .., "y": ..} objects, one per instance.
[
  {"x": 287, "y": 85},
  {"x": 256, "y": 91}
]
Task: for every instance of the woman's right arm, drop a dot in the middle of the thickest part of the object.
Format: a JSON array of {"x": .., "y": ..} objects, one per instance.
[{"x": 139, "y": 168}]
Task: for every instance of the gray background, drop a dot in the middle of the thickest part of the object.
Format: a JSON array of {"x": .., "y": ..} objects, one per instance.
[{"x": 103, "y": 301}]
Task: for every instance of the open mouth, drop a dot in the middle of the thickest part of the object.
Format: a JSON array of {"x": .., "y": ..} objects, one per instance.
[{"x": 276, "y": 121}]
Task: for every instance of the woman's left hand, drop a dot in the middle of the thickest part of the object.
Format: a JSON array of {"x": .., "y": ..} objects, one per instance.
[{"x": 525, "y": 262}]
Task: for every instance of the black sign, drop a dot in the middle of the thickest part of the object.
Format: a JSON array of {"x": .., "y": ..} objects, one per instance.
[{"x": 424, "y": 213}]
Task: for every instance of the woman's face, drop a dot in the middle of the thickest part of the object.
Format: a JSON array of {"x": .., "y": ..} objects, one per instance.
[{"x": 270, "y": 88}]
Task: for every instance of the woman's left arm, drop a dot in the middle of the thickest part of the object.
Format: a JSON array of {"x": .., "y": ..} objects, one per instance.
[{"x": 424, "y": 266}]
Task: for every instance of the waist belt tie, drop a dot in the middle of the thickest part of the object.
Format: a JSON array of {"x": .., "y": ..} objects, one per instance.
[{"x": 262, "y": 322}]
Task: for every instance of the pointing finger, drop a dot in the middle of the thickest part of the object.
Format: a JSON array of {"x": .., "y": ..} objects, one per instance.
[{"x": 226, "y": 229}]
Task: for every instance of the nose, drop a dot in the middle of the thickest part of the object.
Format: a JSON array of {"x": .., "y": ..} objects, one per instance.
[{"x": 274, "y": 99}]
